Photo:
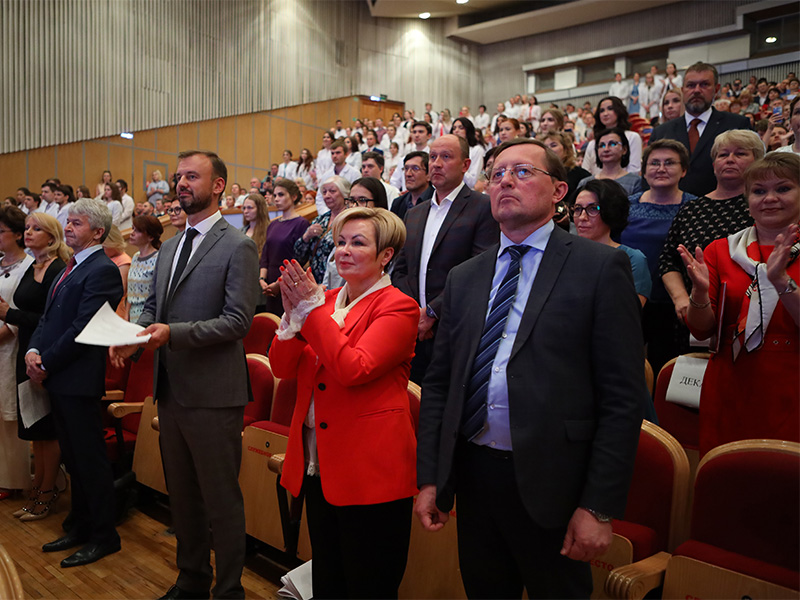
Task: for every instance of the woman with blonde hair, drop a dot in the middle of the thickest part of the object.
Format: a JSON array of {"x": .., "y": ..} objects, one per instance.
[
  {"x": 157, "y": 188},
  {"x": 104, "y": 180},
  {"x": 563, "y": 145},
  {"x": 114, "y": 247},
  {"x": 44, "y": 238},
  {"x": 255, "y": 214}
]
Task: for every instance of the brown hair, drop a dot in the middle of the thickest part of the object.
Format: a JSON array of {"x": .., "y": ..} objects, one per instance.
[{"x": 150, "y": 226}]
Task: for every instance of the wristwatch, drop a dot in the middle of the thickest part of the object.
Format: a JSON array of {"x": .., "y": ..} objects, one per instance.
[
  {"x": 430, "y": 313},
  {"x": 791, "y": 286},
  {"x": 599, "y": 516}
]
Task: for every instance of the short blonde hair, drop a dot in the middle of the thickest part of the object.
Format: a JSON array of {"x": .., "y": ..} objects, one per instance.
[
  {"x": 741, "y": 138},
  {"x": 114, "y": 240},
  {"x": 49, "y": 224},
  {"x": 390, "y": 231}
]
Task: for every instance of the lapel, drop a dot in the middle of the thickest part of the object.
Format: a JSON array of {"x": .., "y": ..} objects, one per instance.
[
  {"x": 459, "y": 204},
  {"x": 416, "y": 222},
  {"x": 69, "y": 278},
  {"x": 166, "y": 258},
  {"x": 211, "y": 238},
  {"x": 555, "y": 254}
]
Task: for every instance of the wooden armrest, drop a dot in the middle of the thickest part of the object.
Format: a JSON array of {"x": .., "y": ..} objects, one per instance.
[
  {"x": 635, "y": 580},
  {"x": 275, "y": 463},
  {"x": 123, "y": 409},
  {"x": 114, "y": 396},
  {"x": 154, "y": 424}
]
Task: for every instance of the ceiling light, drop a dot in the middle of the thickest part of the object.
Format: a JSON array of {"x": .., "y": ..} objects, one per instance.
[
  {"x": 126, "y": 135},
  {"x": 425, "y": 15},
  {"x": 770, "y": 40},
  {"x": 461, "y": 1}
]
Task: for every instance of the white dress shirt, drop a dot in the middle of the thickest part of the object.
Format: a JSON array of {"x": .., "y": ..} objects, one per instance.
[
  {"x": 482, "y": 121},
  {"x": 436, "y": 215},
  {"x": 202, "y": 228},
  {"x": 288, "y": 170},
  {"x": 704, "y": 117}
]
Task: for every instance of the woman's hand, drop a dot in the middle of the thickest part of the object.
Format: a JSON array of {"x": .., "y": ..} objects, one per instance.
[
  {"x": 296, "y": 284},
  {"x": 271, "y": 289},
  {"x": 3, "y": 308},
  {"x": 698, "y": 271},
  {"x": 313, "y": 231},
  {"x": 777, "y": 261}
]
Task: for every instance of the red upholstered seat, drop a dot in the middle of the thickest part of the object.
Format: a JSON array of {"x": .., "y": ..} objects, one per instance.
[
  {"x": 262, "y": 330},
  {"x": 643, "y": 539},
  {"x": 262, "y": 384},
  {"x": 746, "y": 503},
  {"x": 117, "y": 378}
]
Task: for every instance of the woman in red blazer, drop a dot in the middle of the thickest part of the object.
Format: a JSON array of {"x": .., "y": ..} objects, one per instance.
[{"x": 352, "y": 444}]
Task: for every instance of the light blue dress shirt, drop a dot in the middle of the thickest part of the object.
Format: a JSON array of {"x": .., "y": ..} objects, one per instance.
[{"x": 497, "y": 433}]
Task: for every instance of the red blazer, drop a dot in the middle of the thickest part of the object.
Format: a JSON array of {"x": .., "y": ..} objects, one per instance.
[{"x": 366, "y": 444}]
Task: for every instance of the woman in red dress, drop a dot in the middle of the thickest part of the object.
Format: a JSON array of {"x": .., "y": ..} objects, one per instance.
[{"x": 748, "y": 280}]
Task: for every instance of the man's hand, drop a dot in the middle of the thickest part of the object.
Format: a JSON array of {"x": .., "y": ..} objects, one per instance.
[
  {"x": 586, "y": 538},
  {"x": 33, "y": 364},
  {"x": 425, "y": 508},
  {"x": 159, "y": 335},
  {"x": 425, "y": 326}
]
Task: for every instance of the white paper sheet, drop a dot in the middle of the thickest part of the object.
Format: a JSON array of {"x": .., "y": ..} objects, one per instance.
[
  {"x": 687, "y": 381},
  {"x": 107, "y": 328},
  {"x": 34, "y": 403},
  {"x": 297, "y": 583}
]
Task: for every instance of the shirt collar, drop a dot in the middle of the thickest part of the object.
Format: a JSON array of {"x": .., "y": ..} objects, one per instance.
[
  {"x": 537, "y": 240},
  {"x": 704, "y": 117},
  {"x": 451, "y": 196},
  {"x": 204, "y": 226},
  {"x": 87, "y": 252}
]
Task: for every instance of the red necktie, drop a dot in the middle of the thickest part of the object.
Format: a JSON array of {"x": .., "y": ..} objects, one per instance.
[
  {"x": 694, "y": 135},
  {"x": 70, "y": 265}
]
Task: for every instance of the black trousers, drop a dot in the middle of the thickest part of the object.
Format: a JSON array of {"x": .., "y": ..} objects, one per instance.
[
  {"x": 359, "y": 551},
  {"x": 423, "y": 353},
  {"x": 500, "y": 548},
  {"x": 83, "y": 450}
]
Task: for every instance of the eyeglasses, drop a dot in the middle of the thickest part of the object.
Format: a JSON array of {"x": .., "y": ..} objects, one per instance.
[
  {"x": 357, "y": 201},
  {"x": 520, "y": 173},
  {"x": 592, "y": 210},
  {"x": 602, "y": 145},
  {"x": 174, "y": 211},
  {"x": 667, "y": 164},
  {"x": 411, "y": 168}
]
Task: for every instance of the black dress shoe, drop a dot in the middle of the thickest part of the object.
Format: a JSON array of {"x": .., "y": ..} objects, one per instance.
[
  {"x": 65, "y": 543},
  {"x": 89, "y": 554},
  {"x": 176, "y": 593}
]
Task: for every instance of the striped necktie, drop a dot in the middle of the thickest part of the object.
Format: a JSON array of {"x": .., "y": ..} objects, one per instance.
[{"x": 474, "y": 417}]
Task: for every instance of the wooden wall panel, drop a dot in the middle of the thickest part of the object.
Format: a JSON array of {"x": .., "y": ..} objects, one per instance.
[
  {"x": 308, "y": 114},
  {"x": 69, "y": 167},
  {"x": 261, "y": 137},
  {"x": 226, "y": 147},
  {"x": 277, "y": 140},
  {"x": 207, "y": 135},
  {"x": 244, "y": 140},
  {"x": 311, "y": 138},
  {"x": 13, "y": 166},
  {"x": 187, "y": 136},
  {"x": 167, "y": 139},
  {"x": 121, "y": 163},
  {"x": 41, "y": 165},
  {"x": 145, "y": 139},
  {"x": 292, "y": 138},
  {"x": 136, "y": 184},
  {"x": 170, "y": 159},
  {"x": 95, "y": 162}
]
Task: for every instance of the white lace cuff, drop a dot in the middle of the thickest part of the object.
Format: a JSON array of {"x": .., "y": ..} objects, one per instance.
[{"x": 289, "y": 327}]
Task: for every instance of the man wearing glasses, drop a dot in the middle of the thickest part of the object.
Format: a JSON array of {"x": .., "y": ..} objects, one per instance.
[
  {"x": 532, "y": 404},
  {"x": 415, "y": 169},
  {"x": 453, "y": 226}
]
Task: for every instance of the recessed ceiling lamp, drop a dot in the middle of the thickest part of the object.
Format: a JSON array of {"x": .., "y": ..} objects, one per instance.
[
  {"x": 461, "y": 1},
  {"x": 425, "y": 15},
  {"x": 770, "y": 40}
]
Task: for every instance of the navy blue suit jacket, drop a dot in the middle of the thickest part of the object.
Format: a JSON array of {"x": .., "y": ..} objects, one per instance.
[{"x": 76, "y": 369}]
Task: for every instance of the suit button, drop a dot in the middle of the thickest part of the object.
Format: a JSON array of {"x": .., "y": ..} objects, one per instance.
[
  {"x": 323, "y": 425},
  {"x": 321, "y": 386}
]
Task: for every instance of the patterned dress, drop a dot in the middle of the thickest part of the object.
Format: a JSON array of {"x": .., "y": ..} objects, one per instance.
[
  {"x": 318, "y": 249},
  {"x": 140, "y": 283}
]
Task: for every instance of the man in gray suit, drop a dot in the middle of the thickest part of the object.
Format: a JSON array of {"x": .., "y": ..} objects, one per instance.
[{"x": 203, "y": 300}]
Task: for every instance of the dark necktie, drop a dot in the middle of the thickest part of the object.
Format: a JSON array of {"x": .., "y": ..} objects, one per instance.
[
  {"x": 183, "y": 259},
  {"x": 474, "y": 417},
  {"x": 694, "y": 134},
  {"x": 70, "y": 265}
]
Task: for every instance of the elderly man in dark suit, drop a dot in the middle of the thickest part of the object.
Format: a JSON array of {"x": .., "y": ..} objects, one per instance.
[
  {"x": 532, "y": 405},
  {"x": 74, "y": 376},
  {"x": 454, "y": 225},
  {"x": 699, "y": 127},
  {"x": 202, "y": 305}
]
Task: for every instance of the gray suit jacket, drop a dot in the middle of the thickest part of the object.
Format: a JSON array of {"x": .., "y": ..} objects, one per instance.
[
  {"x": 575, "y": 380},
  {"x": 209, "y": 314}
]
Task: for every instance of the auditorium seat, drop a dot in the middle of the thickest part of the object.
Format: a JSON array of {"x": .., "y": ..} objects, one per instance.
[
  {"x": 10, "y": 583},
  {"x": 262, "y": 330},
  {"x": 654, "y": 517},
  {"x": 262, "y": 385},
  {"x": 744, "y": 539}
]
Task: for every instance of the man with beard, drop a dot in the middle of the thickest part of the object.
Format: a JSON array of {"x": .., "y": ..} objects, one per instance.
[
  {"x": 202, "y": 305},
  {"x": 701, "y": 125}
]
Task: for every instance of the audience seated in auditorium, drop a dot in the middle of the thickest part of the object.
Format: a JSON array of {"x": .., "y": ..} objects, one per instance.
[{"x": 611, "y": 113}]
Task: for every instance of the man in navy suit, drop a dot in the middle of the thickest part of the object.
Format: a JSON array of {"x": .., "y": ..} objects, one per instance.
[
  {"x": 74, "y": 376},
  {"x": 532, "y": 404},
  {"x": 699, "y": 127},
  {"x": 454, "y": 225}
]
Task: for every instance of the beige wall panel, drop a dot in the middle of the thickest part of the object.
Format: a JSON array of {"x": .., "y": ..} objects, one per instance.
[
  {"x": 167, "y": 139},
  {"x": 308, "y": 113},
  {"x": 277, "y": 140},
  {"x": 207, "y": 135},
  {"x": 244, "y": 140},
  {"x": 171, "y": 162},
  {"x": 293, "y": 140},
  {"x": 145, "y": 140},
  {"x": 122, "y": 163},
  {"x": 227, "y": 139},
  {"x": 69, "y": 166},
  {"x": 40, "y": 166},
  {"x": 261, "y": 135},
  {"x": 136, "y": 185},
  {"x": 13, "y": 168},
  {"x": 95, "y": 162},
  {"x": 311, "y": 138},
  {"x": 187, "y": 136},
  {"x": 294, "y": 113}
]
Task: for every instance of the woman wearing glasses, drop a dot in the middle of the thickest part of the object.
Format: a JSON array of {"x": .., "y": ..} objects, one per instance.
[
  {"x": 611, "y": 113},
  {"x": 367, "y": 192},
  {"x": 613, "y": 156},
  {"x": 600, "y": 214},
  {"x": 651, "y": 214},
  {"x": 280, "y": 236}
]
